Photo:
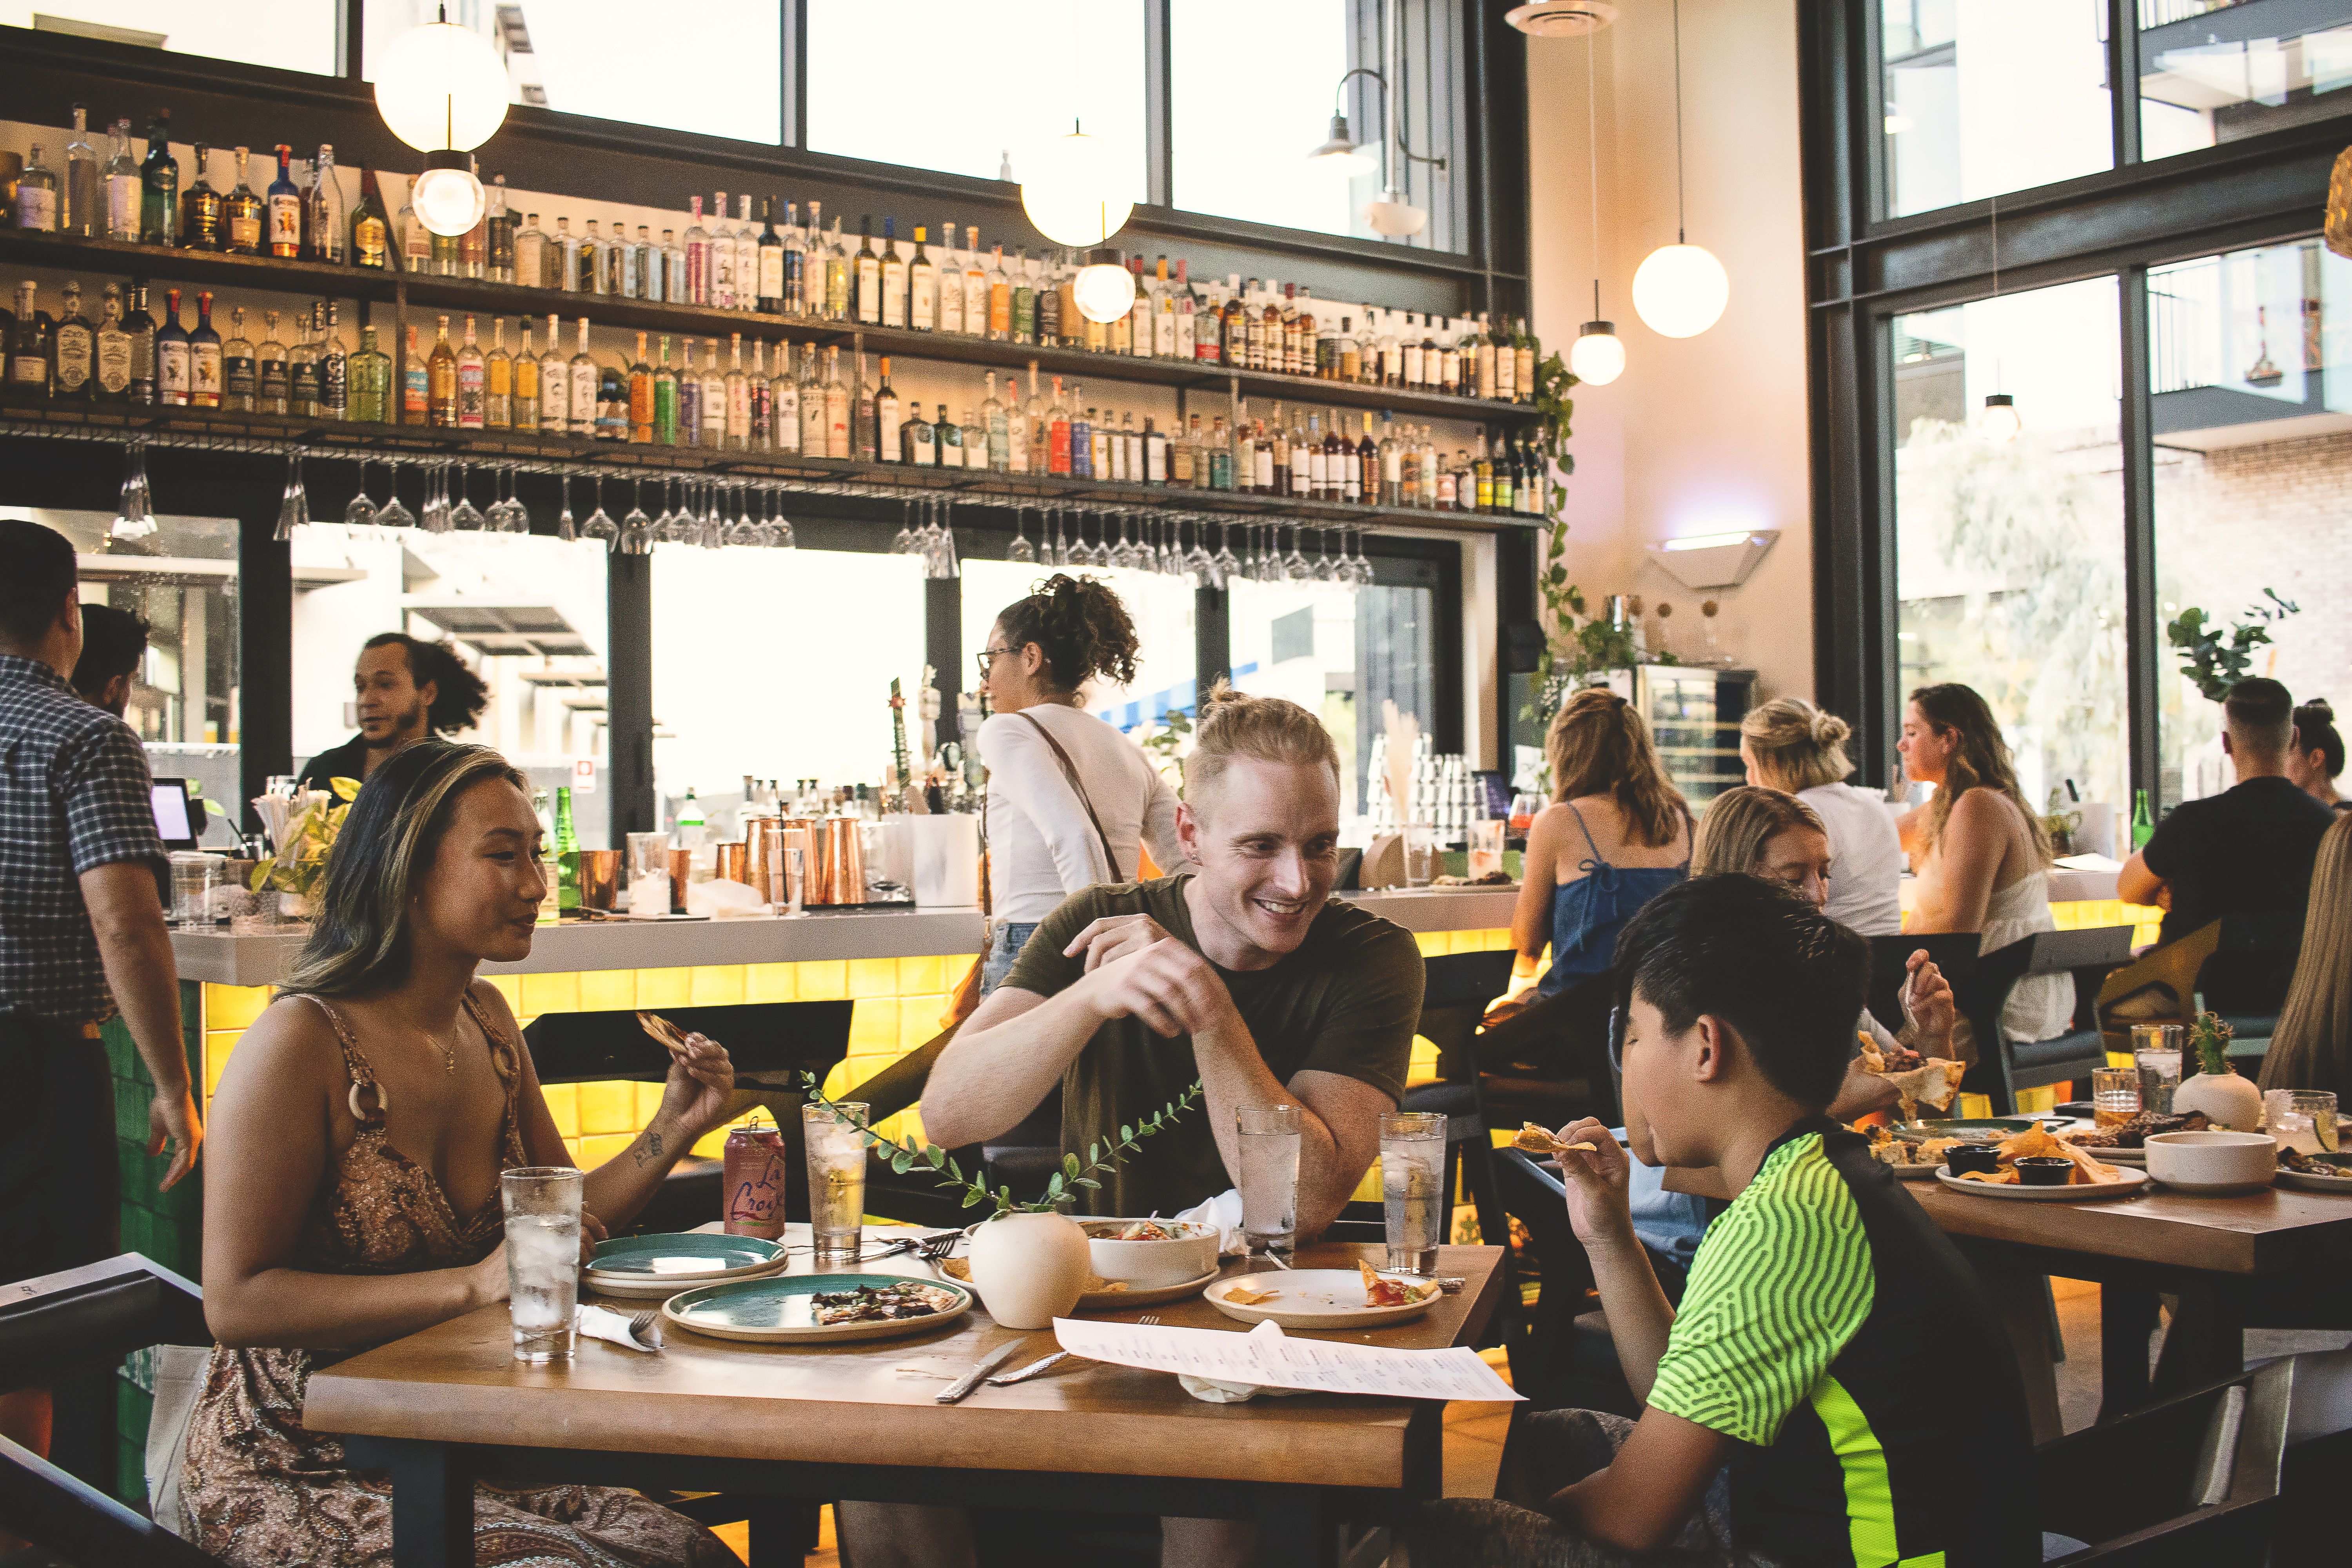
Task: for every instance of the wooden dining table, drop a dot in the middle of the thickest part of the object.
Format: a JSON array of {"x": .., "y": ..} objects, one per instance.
[{"x": 441, "y": 1409}]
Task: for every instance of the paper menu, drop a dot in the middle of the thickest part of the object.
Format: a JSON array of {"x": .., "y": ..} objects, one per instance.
[{"x": 1275, "y": 1360}]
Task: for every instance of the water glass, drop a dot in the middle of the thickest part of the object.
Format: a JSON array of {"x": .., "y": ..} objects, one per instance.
[
  {"x": 1412, "y": 1189},
  {"x": 648, "y": 873},
  {"x": 193, "y": 877},
  {"x": 2115, "y": 1096},
  {"x": 542, "y": 1213},
  {"x": 1420, "y": 854},
  {"x": 1269, "y": 1145},
  {"x": 836, "y": 1178},
  {"x": 2156, "y": 1048},
  {"x": 2302, "y": 1120}
]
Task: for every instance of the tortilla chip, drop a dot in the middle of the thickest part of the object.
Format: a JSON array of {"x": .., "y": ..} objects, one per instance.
[
  {"x": 1999, "y": 1178},
  {"x": 1536, "y": 1140},
  {"x": 1242, "y": 1295}
]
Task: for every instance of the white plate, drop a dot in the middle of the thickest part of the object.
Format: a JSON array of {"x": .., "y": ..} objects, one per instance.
[
  {"x": 2134, "y": 1185},
  {"x": 1148, "y": 1295},
  {"x": 2308, "y": 1183},
  {"x": 2115, "y": 1156},
  {"x": 1312, "y": 1298}
]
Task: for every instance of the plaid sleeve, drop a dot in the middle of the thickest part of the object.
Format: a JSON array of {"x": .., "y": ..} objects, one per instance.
[{"x": 109, "y": 799}]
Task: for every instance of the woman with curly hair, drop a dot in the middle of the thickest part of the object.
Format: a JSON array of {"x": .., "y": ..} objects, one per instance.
[
  {"x": 407, "y": 688},
  {"x": 1069, "y": 798}
]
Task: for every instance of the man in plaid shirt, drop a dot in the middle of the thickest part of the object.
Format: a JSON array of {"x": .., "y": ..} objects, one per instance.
[{"x": 81, "y": 931}]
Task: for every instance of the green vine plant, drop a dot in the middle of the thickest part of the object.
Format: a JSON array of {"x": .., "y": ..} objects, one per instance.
[
  {"x": 2217, "y": 663},
  {"x": 1575, "y": 643},
  {"x": 1104, "y": 1153}
]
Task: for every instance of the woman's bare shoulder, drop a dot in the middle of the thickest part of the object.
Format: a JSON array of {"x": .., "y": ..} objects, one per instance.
[{"x": 292, "y": 1048}]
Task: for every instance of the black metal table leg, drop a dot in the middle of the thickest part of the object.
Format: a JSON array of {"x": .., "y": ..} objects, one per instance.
[
  {"x": 2126, "y": 1317},
  {"x": 432, "y": 1506},
  {"x": 1292, "y": 1528},
  {"x": 2205, "y": 1341}
]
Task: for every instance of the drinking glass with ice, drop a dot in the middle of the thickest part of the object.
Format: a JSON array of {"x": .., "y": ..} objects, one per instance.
[{"x": 543, "y": 1214}]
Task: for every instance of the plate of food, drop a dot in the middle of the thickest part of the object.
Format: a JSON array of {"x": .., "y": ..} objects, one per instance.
[
  {"x": 2314, "y": 1172},
  {"x": 2036, "y": 1167},
  {"x": 648, "y": 1265},
  {"x": 792, "y": 1308},
  {"x": 1917, "y": 1079},
  {"x": 1103, "y": 1295},
  {"x": 2126, "y": 1142},
  {"x": 1360, "y": 1298},
  {"x": 1978, "y": 1126},
  {"x": 1911, "y": 1158}
]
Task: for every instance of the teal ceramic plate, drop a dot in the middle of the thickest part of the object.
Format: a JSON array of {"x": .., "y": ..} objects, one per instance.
[
  {"x": 777, "y": 1309},
  {"x": 2003, "y": 1126},
  {"x": 651, "y": 1266}
]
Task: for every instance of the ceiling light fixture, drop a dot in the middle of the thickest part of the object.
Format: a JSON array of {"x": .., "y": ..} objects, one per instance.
[
  {"x": 1598, "y": 355},
  {"x": 1389, "y": 214},
  {"x": 1680, "y": 290},
  {"x": 1104, "y": 287},
  {"x": 1072, "y": 194},
  {"x": 442, "y": 89},
  {"x": 1561, "y": 18}
]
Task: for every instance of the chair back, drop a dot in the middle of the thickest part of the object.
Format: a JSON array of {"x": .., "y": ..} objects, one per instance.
[
  {"x": 2004, "y": 1066},
  {"x": 2253, "y": 964},
  {"x": 1455, "y": 996}
]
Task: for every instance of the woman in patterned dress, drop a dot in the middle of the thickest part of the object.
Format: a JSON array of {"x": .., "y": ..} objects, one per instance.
[{"x": 353, "y": 1193}]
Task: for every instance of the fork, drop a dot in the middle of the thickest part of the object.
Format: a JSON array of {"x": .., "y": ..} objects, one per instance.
[
  {"x": 641, "y": 1322},
  {"x": 934, "y": 1250}
]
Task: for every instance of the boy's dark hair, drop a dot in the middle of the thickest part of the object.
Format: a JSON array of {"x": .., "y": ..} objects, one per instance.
[
  {"x": 459, "y": 694},
  {"x": 112, "y": 643},
  {"x": 37, "y": 572},
  {"x": 1763, "y": 959}
]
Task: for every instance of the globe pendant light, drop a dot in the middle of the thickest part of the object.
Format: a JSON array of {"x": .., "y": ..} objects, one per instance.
[
  {"x": 1072, "y": 194},
  {"x": 1104, "y": 287},
  {"x": 1680, "y": 290},
  {"x": 1598, "y": 355},
  {"x": 2000, "y": 423},
  {"x": 1561, "y": 18},
  {"x": 442, "y": 89}
]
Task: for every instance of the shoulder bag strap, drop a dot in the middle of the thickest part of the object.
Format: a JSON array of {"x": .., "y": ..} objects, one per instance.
[{"x": 1070, "y": 771}]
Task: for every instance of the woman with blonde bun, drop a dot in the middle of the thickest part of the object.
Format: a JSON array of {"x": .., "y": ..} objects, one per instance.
[{"x": 1790, "y": 745}]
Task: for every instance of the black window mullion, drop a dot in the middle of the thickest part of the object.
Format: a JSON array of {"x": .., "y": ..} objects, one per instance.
[
  {"x": 1865, "y": 39},
  {"x": 792, "y": 79},
  {"x": 351, "y": 43},
  {"x": 1158, "y": 106},
  {"x": 2142, "y": 638},
  {"x": 2123, "y": 78}
]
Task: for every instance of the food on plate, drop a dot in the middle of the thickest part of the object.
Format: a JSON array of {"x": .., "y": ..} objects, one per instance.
[
  {"x": 2305, "y": 1164},
  {"x": 1243, "y": 1296},
  {"x": 2136, "y": 1132},
  {"x": 1379, "y": 1293},
  {"x": 2036, "y": 1143},
  {"x": 1537, "y": 1140},
  {"x": 1906, "y": 1152},
  {"x": 881, "y": 1303},
  {"x": 1137, "y": 1230},
  {"x": 958, "y": 1268},
  {"x": 1918, "y": 1081}
]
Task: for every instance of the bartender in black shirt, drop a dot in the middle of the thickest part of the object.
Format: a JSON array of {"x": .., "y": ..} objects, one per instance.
[{"x": 408, "y": 688}]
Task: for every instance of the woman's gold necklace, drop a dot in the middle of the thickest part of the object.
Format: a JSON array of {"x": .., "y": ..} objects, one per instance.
[{"x": 448, "y": 1052}]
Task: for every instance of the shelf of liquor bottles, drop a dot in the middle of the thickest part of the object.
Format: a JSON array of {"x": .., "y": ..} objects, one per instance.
[
  {"x": 409, "y": 295},
  {"x": 24, "y": 417}
]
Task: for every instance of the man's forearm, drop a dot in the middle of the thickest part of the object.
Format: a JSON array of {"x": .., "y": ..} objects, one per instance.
[
  {"x": 986, "y": 1082},
  {"x": 144, "y": 981},
  {"x": 1234, "y": 1075}
]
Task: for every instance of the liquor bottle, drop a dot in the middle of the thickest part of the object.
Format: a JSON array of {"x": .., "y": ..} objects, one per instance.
[
  {"x": 1186, "y": 341},
  {"x": 689, "y": 398},
  {"x": 1182, "y": 473},
  {"x": 567, "y": 855},
  {"x": 28, "y": 345},
  {"x": 202, "y": 209},
  {"x": 1507, "y": 476},
  {"x": 122, "y": 187},
  {"x": 722, "y": 256},
  {"x": 1082, "y": 436},
  {"x": 869, "y": 282},
  {"x": 74, "y": 348},
  {"x": 1000, "y": 298},
  {"x": 109, "y": 379},
  {"x": 243, "y": 216},
  {"x": 1449, "y": 373},
  {"x": 501, "y": 234},
  {"x": 922, "y": 287},
  {"x": 371, "y": 237},
  {"x": 531, "y": 252},
  {"x": 1523, "y": 354},
  {"x": 440, "y": 381},
  {"x": 1482, "y": 474},
  {"x": 1414, "y": 357},
  {"x": 326, "y": 232},
  {"x": 581, "y": 411},
  {"x": 2143, "y": 820},
  {"x": 738, "y": 397},
  {"x": 498, "y": 380},
  {"x": 759, "y": 394},
  {"x": 714, "y": 397},
  {"x": 837, "y": 407},
  {"x": 1037, "y": 429},
  {"x": 840, "y": 276},
  {"x": 975, "y": 285},
  {"x": 1155, "y": 455},
  {"x": 238, "y": 385},
  {"x": 1057, "y": 437},
  {"x": 370, "y": 381},
  {"x": 140, "y": 327},
  {"x": 975, "y": 439},
  {"x": 588, "y": 262},
  {"x": 159, "y": 186},
  {"x": 747, "y": 255},
  {"x": 887, "y": 443},
  {"x": 204, "y": 349},
  {"x": 771, "y": 295},
  {"x": 894, "y": 277},
  {"x": 334, "y": 368},
  {"x": 697, "y": 255},
  {"x": 470, "y": 382},
  {"x": 796, "y": 262},
  {"x": 999, "y": 447},
  {"x": 673, "y": 269},
  {"x": 612, "y": 403},
  {"x": 172, "y": 355},
  {"x": 814, "y": 436},
  {"x": 1489, "y": 360},
  {"x": 283, "y": 210},
  {"x": 415, "y": 384},
  {"x": 1025, "y": 299},
  {"x": 272, "y": 379},
  {"x": 414, "y": 240},
  {"x": 863, "y": 416},
  {"x": 554, "y": 383},
  {"x": 918, "y": 442},
  {"x": 561, "y": 258},
  {"x": 83, "y": 213},
  {"x": 950, "y": 318},
  {"x": 665, "y": 399},
  {"x": 653, "y": 282},
  {"x": 523, "y": 411},
  {"x": 302, "y": 366},
  {"x": 947, "y": 441},
  {"x": 1049, "y": 300},
  {"x": 784, "y": 403}
]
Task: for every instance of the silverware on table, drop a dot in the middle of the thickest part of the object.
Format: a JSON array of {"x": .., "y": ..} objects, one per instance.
[
  {"x": 1452, "y": 1284},
  {"x": 641, "y": 1322},
  {"x": 1035, "y": 1369},
  {"x": 979, "y": 1369}
]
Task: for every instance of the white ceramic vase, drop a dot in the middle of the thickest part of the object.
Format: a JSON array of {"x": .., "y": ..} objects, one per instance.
[
  {"x": 1029, "y": 1268},
  {"x": 2227, "y": 1100}
]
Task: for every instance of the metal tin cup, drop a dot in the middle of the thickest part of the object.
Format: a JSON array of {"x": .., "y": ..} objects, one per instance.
[
  {"x": 600, "y": 879},
  {"x": 681, "y": 872},
  {"x": 729, "y": 865}
]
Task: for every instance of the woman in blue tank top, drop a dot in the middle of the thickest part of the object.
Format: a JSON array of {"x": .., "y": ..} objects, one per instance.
[{"x": 1616, "y": 835}]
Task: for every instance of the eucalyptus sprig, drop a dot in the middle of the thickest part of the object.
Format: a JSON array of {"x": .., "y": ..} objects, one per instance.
[{"x": 1104, "y": 1153}]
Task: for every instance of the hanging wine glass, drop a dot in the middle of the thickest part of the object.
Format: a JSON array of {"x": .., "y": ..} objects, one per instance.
[
  {"x": 1363, "y": 574},
  {"x": 950, "y": 562},
  {"x": 566, "y": 528},
  {"x": 1224, "y": 566},
  {"x": 294, "y": 506},
  {"x": 742, "y": 531},
  {"x": 1324, "y": 570},
  {"x": 637, "y": 528},
  {"x": 780, "y": 527},
  {"x": 599, "y": 525},
  {"x": 714, "y": 517},
  {"x": 1101, "y": 557},
  {"x": 135, "y": 520},
  {"x": 1124, "y": 557},
  {"x": 1020, "y": 551},
  {"x": 1295, "y": 567},
  {"x": 361, "y": 512},
  {"x": 466, "y": 515},
  {"x": 903, "y": 542},
  {"x": 392, "y": 514},
  {"x": 1199, "y": 563}
]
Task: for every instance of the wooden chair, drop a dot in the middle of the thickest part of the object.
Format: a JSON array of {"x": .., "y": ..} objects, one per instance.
[
  {"x": 2004, "y": 1066},
  {"x": 1549, "y": 1063}
]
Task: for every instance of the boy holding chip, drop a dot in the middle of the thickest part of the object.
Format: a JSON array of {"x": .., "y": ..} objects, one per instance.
[{"x": 1787, "y": 1420}]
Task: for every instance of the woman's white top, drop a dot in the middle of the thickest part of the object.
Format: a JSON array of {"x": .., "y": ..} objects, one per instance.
[
  {"x": 1865, "y": 857},
  {"x": 1042, "y": 847},
  {"x": 2042, "y": 1005}
]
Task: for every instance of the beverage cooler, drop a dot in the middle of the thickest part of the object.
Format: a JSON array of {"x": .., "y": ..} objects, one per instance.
[{"x": 1694, "y": 714}]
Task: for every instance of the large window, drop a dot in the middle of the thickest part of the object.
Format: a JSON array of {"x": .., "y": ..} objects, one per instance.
[
  {"x": 2216, "y": 70},
  {"x": 2252, "y": 417},
  {"x": 2009, "y": 555},
  {"x": 1239, "y": 138},
  {"x": 1983, "y": 97},
  {"x": 292, "y": 35},
  {"x": 967, "y": 86}
]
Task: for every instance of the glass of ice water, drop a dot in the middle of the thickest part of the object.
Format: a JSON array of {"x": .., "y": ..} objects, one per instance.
[
  {"x": 543, "y": 1211},
  {"x": 1270, "y": 1141},
  {"x": 836, "y": 1178},
  {"x": 1412, "y": 1188}
]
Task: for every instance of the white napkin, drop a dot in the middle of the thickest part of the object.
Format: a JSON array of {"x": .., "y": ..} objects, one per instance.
[
  {"x": 1224, "y": 1212},
  {"x": 603, "y": 1323},
  {"x": 1215, "y": 1392},
  {"x": 722, "y": 899}
]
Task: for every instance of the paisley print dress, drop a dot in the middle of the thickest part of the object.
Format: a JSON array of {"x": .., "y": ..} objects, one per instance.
[{"x": 259, "y": 1492}]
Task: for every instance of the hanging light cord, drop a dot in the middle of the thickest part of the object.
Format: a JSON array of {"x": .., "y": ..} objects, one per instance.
[
  {"x": 1679, "y": 236},
  {"x": 1996, "y": 292},
  {"x": 1592, "y": 152}
]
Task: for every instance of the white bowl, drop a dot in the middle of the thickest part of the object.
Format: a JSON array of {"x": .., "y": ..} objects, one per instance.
[
  {"x": 1190, "y": 1253},
  {"x": 2215, "y": 1163}
]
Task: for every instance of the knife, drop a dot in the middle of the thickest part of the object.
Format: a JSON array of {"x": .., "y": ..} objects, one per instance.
[
  {"x": 1035, "y": 1369},
  {"x": 979, "y": 1369}
]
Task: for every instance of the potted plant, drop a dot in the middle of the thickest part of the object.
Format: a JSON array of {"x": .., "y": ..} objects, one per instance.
[
  {"x": 300, "y": 866},
  {"x": 2227, "y": 1100},
  {"x": 2216, "y": 664},
  {"x": 1029, "y": 1261}
]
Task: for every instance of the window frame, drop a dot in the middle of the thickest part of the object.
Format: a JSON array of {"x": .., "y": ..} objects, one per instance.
[{"x": 1864, "y": 269}]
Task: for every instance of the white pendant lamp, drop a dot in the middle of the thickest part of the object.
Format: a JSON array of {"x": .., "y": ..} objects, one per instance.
[
  {"x": 1561, "y": 18},
  {"x": 1104, "y": 287},
  {"x": 1680, "y": 290},
  {"x": 1597, "y": 356},
  {"x": 1072, "y": 194},
  {"x": 442, "y": 89}
]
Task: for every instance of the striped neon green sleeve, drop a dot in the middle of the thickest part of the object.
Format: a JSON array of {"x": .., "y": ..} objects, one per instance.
[{"x": 1781, "y": 1282}]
